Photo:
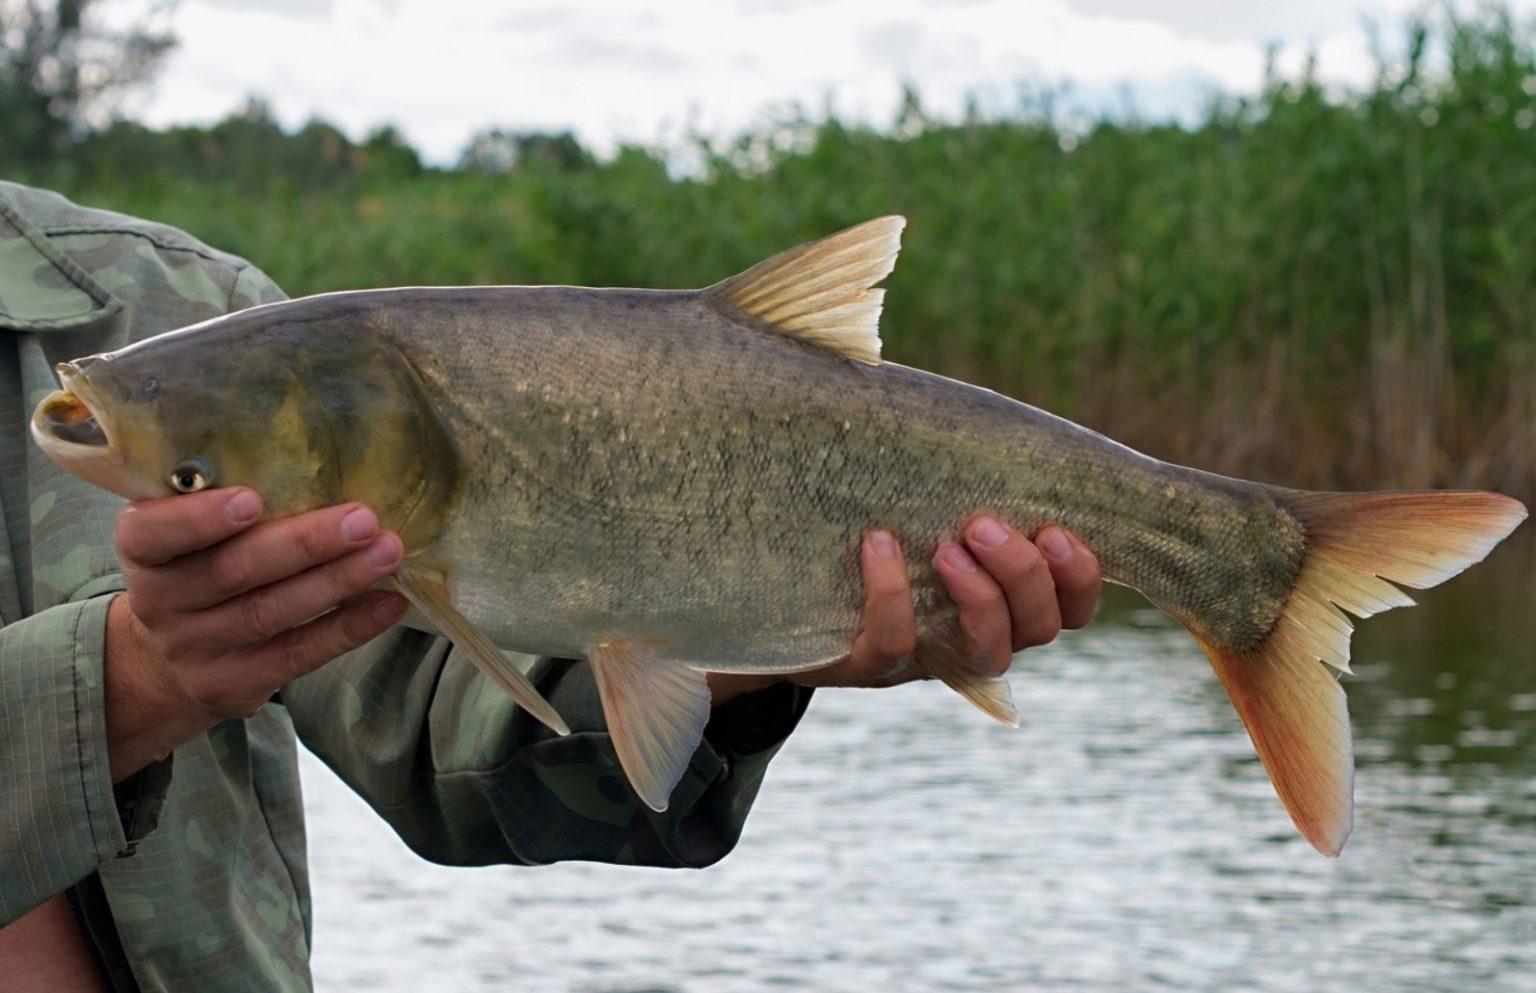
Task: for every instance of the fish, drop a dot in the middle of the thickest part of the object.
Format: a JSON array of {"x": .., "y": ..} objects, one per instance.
[{"x": 671, "y": 483}]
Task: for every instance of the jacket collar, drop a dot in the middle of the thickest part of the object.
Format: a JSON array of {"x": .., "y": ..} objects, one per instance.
[{"x": 41, "y": 288}]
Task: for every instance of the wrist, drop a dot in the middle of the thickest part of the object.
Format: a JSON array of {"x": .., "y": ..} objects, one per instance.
[{"x": 147, "y": 713}]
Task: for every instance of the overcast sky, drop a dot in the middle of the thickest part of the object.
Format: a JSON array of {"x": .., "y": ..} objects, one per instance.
[{"x": 648, "y": 70}]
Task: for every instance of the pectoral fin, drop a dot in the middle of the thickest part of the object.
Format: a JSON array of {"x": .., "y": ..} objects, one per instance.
[
  {"x": 430, "y": 597},
  {"x": 656, "y": 709}
]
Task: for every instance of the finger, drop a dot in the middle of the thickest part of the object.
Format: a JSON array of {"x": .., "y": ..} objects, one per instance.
[
  {"x": 1022, "y": 572},
  {"x": 267, "y": 612},
  {"x": 153, "y": 532},
  {"x": 983, "y": 608},
  {"x": 890, "y": 628},
  {"x": 267, "y": 553},
  {"x": 303, "y": 649},
  {"x": 1076, "y": 573}
]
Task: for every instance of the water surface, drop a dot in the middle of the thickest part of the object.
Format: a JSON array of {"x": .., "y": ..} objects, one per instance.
[{"x": 1124, "y": 839}]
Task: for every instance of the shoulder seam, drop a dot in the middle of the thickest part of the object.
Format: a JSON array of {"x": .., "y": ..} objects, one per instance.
[{"x": 153, "y": 239}]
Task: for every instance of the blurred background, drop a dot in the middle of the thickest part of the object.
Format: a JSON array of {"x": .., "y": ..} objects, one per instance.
[{"x": 1293, "y": 242}]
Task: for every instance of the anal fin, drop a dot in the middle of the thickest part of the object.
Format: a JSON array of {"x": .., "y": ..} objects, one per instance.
[
  {"x": 430, "y": 597},
  {"x": 948, "y": 655},
  {"x": 656, "y": 709}
]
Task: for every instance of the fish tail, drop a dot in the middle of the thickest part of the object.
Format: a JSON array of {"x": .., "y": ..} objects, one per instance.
[{"x": 1357, "y": 546}]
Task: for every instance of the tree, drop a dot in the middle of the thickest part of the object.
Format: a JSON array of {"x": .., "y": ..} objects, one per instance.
[
  {"x": 497, "y": 150},
  {"x": 65, "y": 65}
]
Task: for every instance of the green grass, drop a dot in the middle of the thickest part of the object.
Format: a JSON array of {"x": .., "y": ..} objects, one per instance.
[{"x": 1311, "y": 286}]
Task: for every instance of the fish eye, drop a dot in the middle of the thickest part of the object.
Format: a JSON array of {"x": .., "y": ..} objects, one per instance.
[{"x": 191, "y": 475}]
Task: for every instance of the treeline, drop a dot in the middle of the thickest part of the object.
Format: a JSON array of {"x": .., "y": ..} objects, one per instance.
[{"x": 1321, "y": 287}]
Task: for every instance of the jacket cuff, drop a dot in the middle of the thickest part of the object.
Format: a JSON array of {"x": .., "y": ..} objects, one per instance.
[
  {"x": 756, "y": 722},
  {"x": 61, "y": 815},
  {"x": 709, "y": 805}
]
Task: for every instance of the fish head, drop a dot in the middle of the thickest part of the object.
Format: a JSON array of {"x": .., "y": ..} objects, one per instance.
[
  {"x": 306, "y": 412},
  {"x": 149, "y": 422},
  {"x": 113, "y": 445}
]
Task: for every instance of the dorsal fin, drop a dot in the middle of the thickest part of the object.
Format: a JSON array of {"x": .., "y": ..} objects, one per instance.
[{"x": 822, "y": 292}]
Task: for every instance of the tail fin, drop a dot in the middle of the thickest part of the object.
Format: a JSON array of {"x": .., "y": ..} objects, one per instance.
[{"x": 1292, "y": 706}]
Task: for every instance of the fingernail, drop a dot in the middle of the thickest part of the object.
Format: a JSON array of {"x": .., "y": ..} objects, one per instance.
[
  {"x": 359, "y": 524},
  {"x": 988, "y": 532},
  {"x": 883, "y": 544},
  {"x": 243, "y": 506},
  {"x": 388, "y": 608},
  {"x": 956, "y": 557},
  {"x": 1055, "y": 544},
  {"x": 383, "y": 553}
]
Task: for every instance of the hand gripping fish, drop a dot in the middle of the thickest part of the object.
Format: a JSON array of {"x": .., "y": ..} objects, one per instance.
[{"x": 672, "y": 483}]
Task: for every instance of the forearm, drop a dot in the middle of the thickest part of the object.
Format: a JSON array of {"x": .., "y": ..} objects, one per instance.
[{"x": 465, "y": 777}]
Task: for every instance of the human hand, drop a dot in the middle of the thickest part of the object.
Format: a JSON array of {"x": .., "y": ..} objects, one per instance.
[
  {"x": 220, "y": 612},
  {"x": 1013, "y": 593}
]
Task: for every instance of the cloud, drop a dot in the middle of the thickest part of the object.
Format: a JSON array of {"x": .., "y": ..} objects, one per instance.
[{"x": 631, "y": 70}]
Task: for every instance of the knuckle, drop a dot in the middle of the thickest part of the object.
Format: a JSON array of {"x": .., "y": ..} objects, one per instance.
[
  {"x": 1081, "y": 614},
  {"x": 258, "y": 613},
  {"x": 887, "y": 585},
  {"x": 229, "y": 570},
  {"x": 127, "y": 536},
  {"x": 312, "y": 543},
  {"x": 1079, "y": 575},
  {"x": 984, "y": 596},
  {"x": 1039, "y": 630},
  {"x": 294, "y": 654},
  {"x": 1031, "y": 564},
  {"x": 341, "y": 580},
  {"x": 896, "y": 642},
  {"x": 356, "y": 628}
]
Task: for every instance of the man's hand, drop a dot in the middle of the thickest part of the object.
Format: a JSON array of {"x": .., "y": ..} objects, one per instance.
[
  {"x": 220, "y": 612},
  {"x": 1013, "y": 594}
]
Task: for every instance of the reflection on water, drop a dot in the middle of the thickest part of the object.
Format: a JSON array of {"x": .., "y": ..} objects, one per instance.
[{"x": 1125, "y": 839}]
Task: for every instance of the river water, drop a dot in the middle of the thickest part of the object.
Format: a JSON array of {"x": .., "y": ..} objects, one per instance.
[{"x": 1124, "y": 839}]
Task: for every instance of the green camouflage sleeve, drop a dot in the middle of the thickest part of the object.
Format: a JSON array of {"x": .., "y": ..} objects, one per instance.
[
  {"x": 467, "y": 778},
  {"x": 62, "y": 815}
]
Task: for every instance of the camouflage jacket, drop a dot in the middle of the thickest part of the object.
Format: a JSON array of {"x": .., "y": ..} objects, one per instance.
[{"x": 191, "y": 875}]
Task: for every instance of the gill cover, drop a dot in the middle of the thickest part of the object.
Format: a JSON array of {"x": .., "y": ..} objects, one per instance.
[{"x": 383, "y": 441}]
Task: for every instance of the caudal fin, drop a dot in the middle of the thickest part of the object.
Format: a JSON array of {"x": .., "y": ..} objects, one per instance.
[{"x": 1293, "y": 706}]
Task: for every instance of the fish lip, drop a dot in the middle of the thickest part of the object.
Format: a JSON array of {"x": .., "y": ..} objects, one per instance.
[{"x": 75, "y": 389}]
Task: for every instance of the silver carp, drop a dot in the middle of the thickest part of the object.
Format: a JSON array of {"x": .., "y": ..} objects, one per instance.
[{"x": 672, "y": 483}]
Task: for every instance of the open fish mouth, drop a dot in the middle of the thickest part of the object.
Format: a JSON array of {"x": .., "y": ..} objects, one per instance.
[
  {"x": 69, "y": 419},
  {"x": 68, "y": 422}
]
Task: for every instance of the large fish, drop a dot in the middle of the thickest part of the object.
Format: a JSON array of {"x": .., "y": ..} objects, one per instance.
[{"x": 675, "y": 482}]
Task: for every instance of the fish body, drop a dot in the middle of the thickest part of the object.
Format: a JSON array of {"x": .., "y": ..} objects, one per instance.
[
  {"x": 727, "y": 527},
  {"x": 676, "y": 482}
]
